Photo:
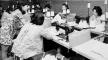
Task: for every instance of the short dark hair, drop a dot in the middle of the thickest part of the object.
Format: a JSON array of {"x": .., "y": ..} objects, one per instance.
[
  {"x": 48, "y": 6},
  {"x": 19, "y": 6},
  {"x": 65, "y": 5},
  {"x": 98, "y": 10},
  {"x": 9, "y": 9},
  {"x": 38, "y": 19}
]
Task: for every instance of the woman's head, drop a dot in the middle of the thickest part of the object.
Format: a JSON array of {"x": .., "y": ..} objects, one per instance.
[
  {"x": 38, "y": 19},
  {"x": 23, "y": 7},
  {"x": 97, "y": 10},
  {"x": 47, "y": 6},
  {"x": 9, "y": 9},
  {"x": 65, "y": 6}
]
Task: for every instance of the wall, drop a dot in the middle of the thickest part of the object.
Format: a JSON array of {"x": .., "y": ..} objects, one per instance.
[
  {"x": 76, "y": 6},
  {"x": 79, "y": 7}
]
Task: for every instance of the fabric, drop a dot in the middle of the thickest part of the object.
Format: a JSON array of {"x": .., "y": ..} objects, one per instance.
[
  {"x": 29, "y": 42},
  {"x": 49, "y": 57},
  {"x": 58, "y": 19},
  {"x": 6, "y": 29},
  {"x": 26, "y": 18},
  {"x": 52, "y": 33},
  {"x": 74, "y": 41},
  {"x": 83, "y": 24},
  {"x": 97, "y": 23},
  {"x": 71, "y": 20},
  {"x": 72, "y": 23}
]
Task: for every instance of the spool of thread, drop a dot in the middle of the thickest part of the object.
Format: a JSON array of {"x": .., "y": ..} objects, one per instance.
[
  {"x": 88, "y": 5},
  {"x": 52, "y": 13},
  {"x": 45, "y": 10},
  {"x": 68, "y": 10},
  {"x": 106, "y": 2}
]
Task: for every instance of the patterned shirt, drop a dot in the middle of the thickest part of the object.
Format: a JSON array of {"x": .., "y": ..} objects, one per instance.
[{"x": 6, "y": 29}]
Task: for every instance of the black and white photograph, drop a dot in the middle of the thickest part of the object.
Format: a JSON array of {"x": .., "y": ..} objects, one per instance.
[{"x": 53, "y": 29}]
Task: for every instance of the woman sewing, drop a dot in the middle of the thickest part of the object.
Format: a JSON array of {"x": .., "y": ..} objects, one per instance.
[
  {"x": 28, "y": 43},
  {"x": 60, "y": 18},
  {"x": 96, "y": 20}
]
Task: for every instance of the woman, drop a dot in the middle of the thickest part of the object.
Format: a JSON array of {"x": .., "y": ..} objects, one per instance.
[
  {"x": 26, "y": 15},
  {"x": 96, "y": 20},
  {"x": 21, "y": 17},
  {"x": 60, "y": 18},
  {"x": 46, "y": 8},
  {"x": 47, "y": 21},
  {"x": 29, "y": 42},
  {"x": 22, "y": 12},
  {"x": 6, "y": 31}
]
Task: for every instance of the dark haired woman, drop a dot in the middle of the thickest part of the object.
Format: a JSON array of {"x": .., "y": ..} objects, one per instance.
[
  {"x": 29, "y": 42},
  {"x": 60, "y": 18},
  {"x": 96, "y": 19},
  {"x": 6, "y": 31},
  {"x": 65, "y": 9},
  {"x": 22, "y": 12},
  {"x": 47, "y": 13},
  {"x": 47, "y": 8},
  {"x": 21, "y": 17}
]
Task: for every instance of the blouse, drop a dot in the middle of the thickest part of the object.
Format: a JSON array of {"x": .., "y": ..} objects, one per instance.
[
  {"x": 29, "y": 42},
  {"x": 97, "y": 23}
]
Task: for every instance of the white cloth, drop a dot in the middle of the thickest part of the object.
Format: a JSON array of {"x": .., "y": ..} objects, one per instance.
[
  {"x": 93, "y": 49},
  {"x": 58, "y": 19},
  {"x": 49, "y": 57},
  {"x": 71, "y": 20},
  {"x": 28, "y": 43},
  {"x": 96, "y": 22},
  {"x": 51, "y": 32},
  {"x": 83, "y": 24}
]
